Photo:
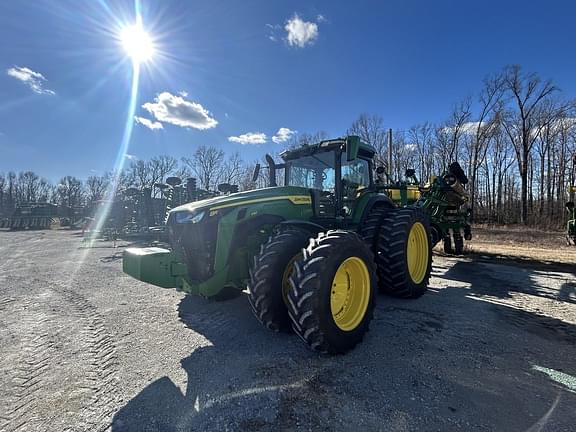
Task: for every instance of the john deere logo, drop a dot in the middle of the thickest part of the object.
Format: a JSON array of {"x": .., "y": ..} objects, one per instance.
[{"x": 301, "y": 200}]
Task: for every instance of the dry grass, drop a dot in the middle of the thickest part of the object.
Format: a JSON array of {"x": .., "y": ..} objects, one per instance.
[{"x": 522, "y": 244}]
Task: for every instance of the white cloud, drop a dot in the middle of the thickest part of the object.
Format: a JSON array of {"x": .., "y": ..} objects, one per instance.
[
  {"x": 300, "y": 33},
  {"x": 320, "y": 18},
  {"x": 154, "y": 125},
  {"x": 283, "y": 135},
  {"x": 34, "y": 80},
  {"x": 468, "y": 128},
  {"x": 130, "y": 157},
  {"x": 169, "y": 108},
  {"x": 183, "y": 93},
  {"x": 249, "y": 138}
]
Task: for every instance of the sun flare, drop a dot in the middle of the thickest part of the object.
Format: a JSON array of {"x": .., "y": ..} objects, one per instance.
[{"x": 137, "y": 43}]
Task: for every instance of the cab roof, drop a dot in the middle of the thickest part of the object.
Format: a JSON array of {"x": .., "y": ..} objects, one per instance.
[{"x": 365, "y": 150}]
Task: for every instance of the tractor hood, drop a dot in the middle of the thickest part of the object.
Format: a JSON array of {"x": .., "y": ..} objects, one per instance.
[{"x": 297, "y": 195}]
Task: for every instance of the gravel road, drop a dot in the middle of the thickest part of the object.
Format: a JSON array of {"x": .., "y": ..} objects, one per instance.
[{"x": 491, "y": 346}]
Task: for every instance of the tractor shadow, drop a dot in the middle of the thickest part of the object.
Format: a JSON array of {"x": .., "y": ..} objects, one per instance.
[
  {"x": 501, "y": 276},
  {"x": 452, "y": 357},
  {"x": 240, "y": 371}
]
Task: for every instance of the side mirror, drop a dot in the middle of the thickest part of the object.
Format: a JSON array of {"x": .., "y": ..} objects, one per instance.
[
  {"x": 410, "y": 172},
  {"x": 256, "y": 173},
  {"x": 570, "y": 205},
  {"x": 380, "y": 170},
  {"x": 352, "y": 147}
]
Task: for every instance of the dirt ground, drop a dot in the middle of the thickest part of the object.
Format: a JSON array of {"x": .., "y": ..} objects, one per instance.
[{"x": 491, "y": 346}]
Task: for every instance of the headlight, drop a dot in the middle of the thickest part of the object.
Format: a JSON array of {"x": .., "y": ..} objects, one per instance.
[{"x": 183, "y": 217}]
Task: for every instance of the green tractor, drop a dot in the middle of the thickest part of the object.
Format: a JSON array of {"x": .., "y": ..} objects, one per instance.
[{"x": 311, "y": 252}]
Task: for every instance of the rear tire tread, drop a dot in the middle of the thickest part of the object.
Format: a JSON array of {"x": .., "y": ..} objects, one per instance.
[
  {"x": 304, "y": 297},
  {"x": 391, "y": 259}
]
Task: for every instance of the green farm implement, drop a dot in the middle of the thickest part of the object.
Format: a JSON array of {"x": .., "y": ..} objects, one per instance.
[
  {"x": 571, "y": 225},
  {"x": 443, "y": 199},
  {"x": 35, "y": 216},
  {"x": 311, "y": 252}
]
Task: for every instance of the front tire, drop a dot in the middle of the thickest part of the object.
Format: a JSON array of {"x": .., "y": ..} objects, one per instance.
[
  {"x": 269, "y": 277},
  {"x": 331, "y": 300}
]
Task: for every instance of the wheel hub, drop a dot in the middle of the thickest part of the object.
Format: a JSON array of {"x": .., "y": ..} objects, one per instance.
[
  {"x": 350, "y": 293},
  {"x": 417, "y": 252}
]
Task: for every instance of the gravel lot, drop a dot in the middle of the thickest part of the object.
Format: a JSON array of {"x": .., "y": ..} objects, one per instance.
[{"x": 491, "y": 346}]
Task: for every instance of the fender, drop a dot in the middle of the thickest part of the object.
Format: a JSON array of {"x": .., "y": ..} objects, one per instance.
[
  {"x": 377, "y": 200},
  {"x": 307, "y": 225},
  {"x": 248, "y": 227}
]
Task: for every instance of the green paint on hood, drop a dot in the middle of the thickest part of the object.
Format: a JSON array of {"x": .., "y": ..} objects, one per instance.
[{"x": 239, "y": 198}]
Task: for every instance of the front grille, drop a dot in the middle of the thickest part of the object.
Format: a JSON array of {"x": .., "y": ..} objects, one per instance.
[{"x": 195, "y": 244}]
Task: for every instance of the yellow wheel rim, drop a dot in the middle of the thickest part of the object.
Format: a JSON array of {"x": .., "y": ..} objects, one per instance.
[
  {"x": 417, "y": 251},
  {"x": 286, "y": 277},
  {"x": 350, "y": 293}
]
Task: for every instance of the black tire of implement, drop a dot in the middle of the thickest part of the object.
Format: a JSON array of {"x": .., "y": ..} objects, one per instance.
[
  {"x": 392, "y": 261},
  {"x": 458, "y": 244},
  {"x": 266, "y": 272},
  {"x": 435, "y": 234},
  {"x": 448, "y": 245},
  {"x": 309, "y": 297}
]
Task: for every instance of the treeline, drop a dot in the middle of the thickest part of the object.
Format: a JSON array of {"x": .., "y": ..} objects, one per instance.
[
  {"x": 208, "y": 165},
  {"x": 515, "y": 138}
]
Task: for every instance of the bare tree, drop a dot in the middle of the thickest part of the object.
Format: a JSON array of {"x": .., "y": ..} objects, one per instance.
[
  {"x": 232, "y": 169},
  {"x": 370, "y": 128},
  {"x": 525, "y": 121},
  {"x": 457, "y": 127},
  {"x": 96, "y": 188},
  {"x": 163, "y": 166},
  {"x": 31, "y": 187},
  {"x": 422, "y": 137},
  {"x": 246, "y": 177},
  {"x": 2, "y": 192},
  {"x": 306, "y": 139},
  {"x": 206, "y": 163},
  {"x": 11, "y": 191},
  {"x": 70, "y": 191},
  {"x": 490, "y": 100}
]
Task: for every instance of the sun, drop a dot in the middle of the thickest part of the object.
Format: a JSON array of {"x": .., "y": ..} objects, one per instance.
[{"x": 137, "y": 43}]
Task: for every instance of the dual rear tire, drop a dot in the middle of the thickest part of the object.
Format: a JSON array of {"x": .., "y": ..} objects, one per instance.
[
  {"x": 323, "y": 287},
  {"x": 400, "y": 240}
]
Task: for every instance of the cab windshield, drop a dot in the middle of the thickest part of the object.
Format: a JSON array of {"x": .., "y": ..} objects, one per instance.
[{"x": 312, "y": 172}]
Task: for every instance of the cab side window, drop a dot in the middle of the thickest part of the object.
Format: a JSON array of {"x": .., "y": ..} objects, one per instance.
[{"x": 355, "y": 177}]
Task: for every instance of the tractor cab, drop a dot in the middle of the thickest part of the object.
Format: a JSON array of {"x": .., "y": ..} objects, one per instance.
[{"x": 336, "y": 172}]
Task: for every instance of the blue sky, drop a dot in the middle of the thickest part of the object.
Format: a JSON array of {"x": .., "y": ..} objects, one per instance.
[{"x": 228, "y": 68}]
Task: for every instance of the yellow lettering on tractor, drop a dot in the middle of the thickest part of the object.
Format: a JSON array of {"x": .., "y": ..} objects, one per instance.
[{"x": 294, "y": 199}]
